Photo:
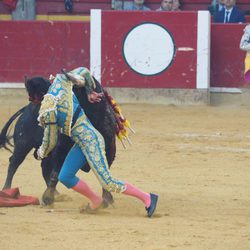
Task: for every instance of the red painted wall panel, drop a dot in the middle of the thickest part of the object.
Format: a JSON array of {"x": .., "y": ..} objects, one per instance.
[
  {"x": 182, "y": 72},
  {"x": 227, "y": 60},
  {"x": 41, "y": 48}
]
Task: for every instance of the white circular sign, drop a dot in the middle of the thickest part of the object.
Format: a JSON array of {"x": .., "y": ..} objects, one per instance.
[{"x": 149, "y": 49}]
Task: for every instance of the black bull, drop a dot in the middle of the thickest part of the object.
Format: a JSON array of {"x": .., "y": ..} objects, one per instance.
[{"x": 28, "y": 135}]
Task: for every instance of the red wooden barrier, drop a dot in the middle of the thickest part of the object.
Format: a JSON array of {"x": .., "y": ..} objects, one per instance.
[
  {"x": 150, "y": 72},
  {"x": 227, "y": 60},
  {"x": 41, "y": 48}
]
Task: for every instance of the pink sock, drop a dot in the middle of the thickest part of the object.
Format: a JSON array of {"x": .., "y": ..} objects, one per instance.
[
  {"x": 84, "y": 189},
  {"x": 134, "y": 191}
]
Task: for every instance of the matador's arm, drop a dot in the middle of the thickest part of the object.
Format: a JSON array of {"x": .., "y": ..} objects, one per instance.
[
  {"x": 82, "y": 77},
  {"x": 48, "y": 120}
]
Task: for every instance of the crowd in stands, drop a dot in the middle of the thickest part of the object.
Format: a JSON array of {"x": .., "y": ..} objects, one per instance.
[
  {"x": 222, "y": 11},
  {"x": 164, "y": 5},
  {"x": 226, "y": 11}
]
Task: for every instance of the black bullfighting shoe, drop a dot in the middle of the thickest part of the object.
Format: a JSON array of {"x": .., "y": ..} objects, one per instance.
[{"x": 150, "y": 210}]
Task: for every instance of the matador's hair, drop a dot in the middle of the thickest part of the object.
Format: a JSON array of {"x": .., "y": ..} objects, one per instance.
[{"x": 37, "y": 87}]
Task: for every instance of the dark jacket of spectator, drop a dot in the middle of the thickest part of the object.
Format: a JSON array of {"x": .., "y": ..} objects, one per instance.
[{"x": 237, "y": 16}]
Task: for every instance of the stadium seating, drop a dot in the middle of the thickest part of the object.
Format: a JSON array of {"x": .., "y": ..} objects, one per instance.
[{"x": 82, "y": 7}]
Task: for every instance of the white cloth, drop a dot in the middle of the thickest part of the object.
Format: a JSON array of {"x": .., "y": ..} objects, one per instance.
[{"x": 245, "y": 39}]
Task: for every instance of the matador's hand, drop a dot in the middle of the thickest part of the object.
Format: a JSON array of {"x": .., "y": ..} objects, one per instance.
[
  {"x": 37, "y": 154},
  {"x": 95, "y": 97}
]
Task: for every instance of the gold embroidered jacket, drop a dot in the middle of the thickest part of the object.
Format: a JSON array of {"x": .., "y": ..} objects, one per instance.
[{"x": 59, "y": 105}]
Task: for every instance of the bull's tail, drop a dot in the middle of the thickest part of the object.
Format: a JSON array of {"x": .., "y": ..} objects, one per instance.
[{"x": 4, "y": 138}]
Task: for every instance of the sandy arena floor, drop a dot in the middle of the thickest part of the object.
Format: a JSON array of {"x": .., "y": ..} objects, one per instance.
[{"x": 196, "y": 158}]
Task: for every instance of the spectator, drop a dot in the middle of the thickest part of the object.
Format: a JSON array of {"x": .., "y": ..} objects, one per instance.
[
  {"x": 25, "y": 10},
  {"x": 230, "y": 14},
  {"x": 136, "y": 5},
  {"x": 176, "y": 5},
  {"x": 166, "y": 5},
  {"x": 68, "y": 5},
  {"x": 245, "y": 45},
  {"x": 216, "y": 6}
]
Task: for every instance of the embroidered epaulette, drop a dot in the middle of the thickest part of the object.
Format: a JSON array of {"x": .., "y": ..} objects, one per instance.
[{"x": 48, "y": 104}]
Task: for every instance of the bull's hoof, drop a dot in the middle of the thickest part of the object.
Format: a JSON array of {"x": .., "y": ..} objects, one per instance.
[
  {"x": 48, "y": 196},
  {"x": 108, "y": 198}
]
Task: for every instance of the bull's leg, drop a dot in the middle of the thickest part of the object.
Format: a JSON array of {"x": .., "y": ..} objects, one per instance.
[
  {"x": 18, "y": 156},
  {"x": 110, "y": 155},
  {"x": 48, "y": 196},
  {"x": 52, "y": 166},
  {"x": 107, "y": 196},
  {"x": 110, "y": 148},
  {"x": 46, "y": 169},
  {"x": 50, "y": 170}
]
